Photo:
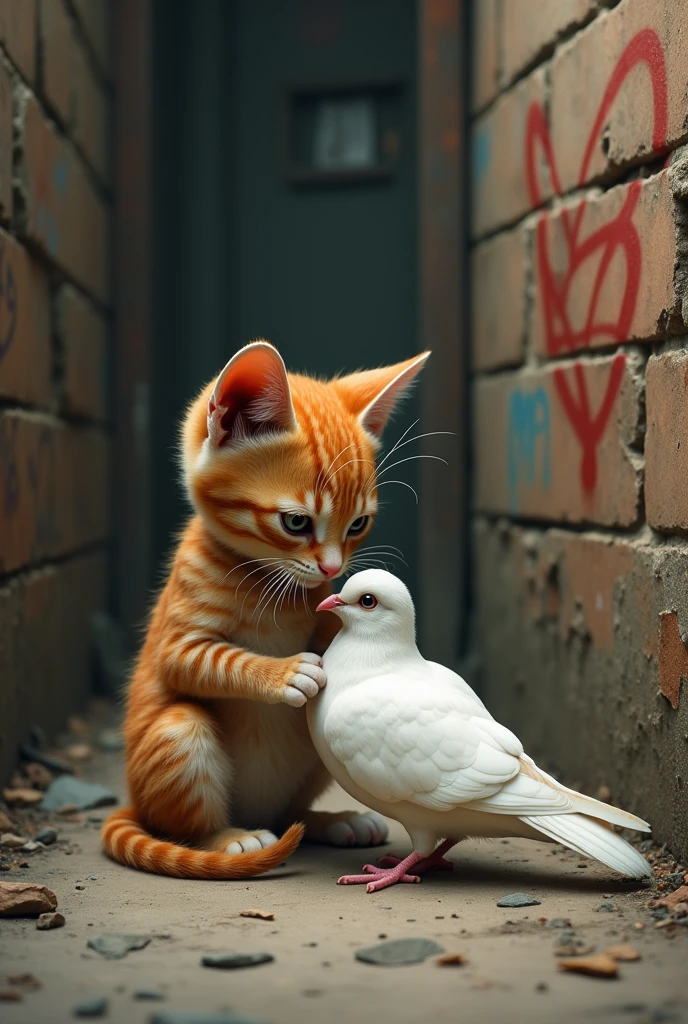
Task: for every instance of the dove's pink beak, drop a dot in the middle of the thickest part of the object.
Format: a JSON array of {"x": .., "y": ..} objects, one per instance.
[{"x": 330, "y": 603}]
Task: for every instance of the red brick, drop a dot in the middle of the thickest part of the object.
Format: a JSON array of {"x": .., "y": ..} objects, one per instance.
[
  {"x": 83, "y": 335},
  {"x": 485, "y": 53},
  {"x": 96, "y": 18},
  {"x": 673, "y": 658},
  {"x": 18, "y": 34},
  {"x": 666, "y": 444},
  {"x": 529, "y": 458},
  {"x": 65, "y": 216},
  {"x": 56, "y": 37},
  {"x": 530, "y": 28},
  {"x": 500, "y": 189},
  {"x": 631, "y": 129},
  {"x": 53, "y": 488},
  {"x": 24, "y": 326},
  {"x": 45, "y": 646},
  {"x": 90, "y": 114},
  {"x": 6, "y": 143},
  {"x": 624, "y": 309},
  {"x": 499, "y": 300}
]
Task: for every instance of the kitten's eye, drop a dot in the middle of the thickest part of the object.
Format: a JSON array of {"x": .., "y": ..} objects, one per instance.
[
  {"x": 368, "y": 601},
  {"x": 359, "y": 525},
  {"x": 296, "y": 522}
]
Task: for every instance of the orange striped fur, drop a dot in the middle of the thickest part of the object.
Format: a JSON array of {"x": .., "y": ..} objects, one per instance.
[{"x": 216, "y": 732}]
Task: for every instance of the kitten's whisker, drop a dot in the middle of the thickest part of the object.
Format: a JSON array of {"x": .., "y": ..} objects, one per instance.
[
  {"x": 326, "y": 471},
  {"x": 349, "y": 463},
  {"x": 397, "y": 444},
  {"x": 242, "y": 564},
  {"x": 267, "y": 595},
  {"x": 409, "y": 458},
  {"x": 280, "y": 598},
  {"x": 401, "y": 443},
  {"x": 248, "y": 574},
  {"x": 265, "y": 582},
  {"x": 403, "y": 484},
  {"x": 384, "y": 554}
]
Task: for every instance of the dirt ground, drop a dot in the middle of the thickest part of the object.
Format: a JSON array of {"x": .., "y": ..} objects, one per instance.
[{"x": 511, "y": 973}]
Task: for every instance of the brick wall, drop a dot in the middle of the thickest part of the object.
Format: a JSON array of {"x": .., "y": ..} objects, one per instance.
[
  {"x": 55, "y": 203},
  {"x": 580, "y": 389}
]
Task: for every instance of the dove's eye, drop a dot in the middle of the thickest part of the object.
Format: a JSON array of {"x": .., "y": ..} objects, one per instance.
[
  {"x": 296, "y": 522},
  {"x": 358, "y": 525},
  {"x": 368, "y": 601}
]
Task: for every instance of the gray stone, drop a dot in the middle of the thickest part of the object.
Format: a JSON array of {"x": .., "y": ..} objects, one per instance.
[
  {"x": 46, "y": 922},
  {"x": 399, "y": 951},
  {"x": 96, "y": 1007},
  {"x": 606, "y": 906},
  {"x": 68, "y": 791},
  {"x": 518, "y": 899},
  {"x": 148, "y": 994},
  {"x": 47, "y": 836},
  {"x": 115, "y": 945},
  {"x": 198, "y": 1017},
  {"x": 559, "y": 922},
  {"x": 229, "y": 961}
]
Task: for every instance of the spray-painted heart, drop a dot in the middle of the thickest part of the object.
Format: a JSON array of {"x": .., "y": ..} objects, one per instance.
[{"x": 618, "y": 234}]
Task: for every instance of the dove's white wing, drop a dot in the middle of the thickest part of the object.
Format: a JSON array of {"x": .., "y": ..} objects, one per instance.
[
  {"x": 405, "y": 737},
  {"x": 445, "y": 675}
]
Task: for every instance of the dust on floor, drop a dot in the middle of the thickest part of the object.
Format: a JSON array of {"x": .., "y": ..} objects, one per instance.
[{"x": 509, "y": 971}]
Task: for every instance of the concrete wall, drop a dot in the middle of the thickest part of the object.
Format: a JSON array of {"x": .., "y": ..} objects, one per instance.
[
  {"x": 580, "y": 389},
  {"x": 55, "y": 200}
]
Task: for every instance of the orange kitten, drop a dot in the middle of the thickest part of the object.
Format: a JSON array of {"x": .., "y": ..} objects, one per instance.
[{"x": 281, "y": 473}]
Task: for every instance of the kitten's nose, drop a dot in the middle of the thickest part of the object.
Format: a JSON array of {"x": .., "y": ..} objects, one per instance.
[{"x": 329, "y": 569}]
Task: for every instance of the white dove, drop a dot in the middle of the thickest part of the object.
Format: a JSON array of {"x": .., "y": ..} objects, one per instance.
[{"x": 409, "y": 738}]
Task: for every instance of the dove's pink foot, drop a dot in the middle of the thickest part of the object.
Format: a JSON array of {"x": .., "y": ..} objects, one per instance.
[
  {"x": 435, "y": 860},
  {"x": 383, "y": 877}
]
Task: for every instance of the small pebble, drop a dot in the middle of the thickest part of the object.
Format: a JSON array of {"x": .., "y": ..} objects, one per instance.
[
  {"x": 10, "y": 995},
  {"x": 148, "y": 994},
  {"x": 96, "y": 1007},
  {"x": 606, "y": 906},
  {"x": 399, "y": 951},
  {"x": 80, "y": 887},
  {"x": 46, "y": 922},
  {"x": 518, "y": 899},
  {"x": 229, "y": 961},
  {"x": 542, "y": 986},
  {"x": 92, "y": 878}
]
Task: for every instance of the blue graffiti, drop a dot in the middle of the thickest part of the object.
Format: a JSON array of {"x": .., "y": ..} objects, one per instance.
[
  {"x": 482, "y": 144},
  {"x": 60, "y": 176},
  {"x": 529, "y": 421}
]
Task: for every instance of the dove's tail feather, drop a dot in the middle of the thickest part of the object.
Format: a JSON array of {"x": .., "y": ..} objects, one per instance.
[{"x": 591, "y": 838}]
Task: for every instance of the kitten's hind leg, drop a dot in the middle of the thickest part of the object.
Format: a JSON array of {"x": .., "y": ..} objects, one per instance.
[
  {"x": 179, "y": 775},
  {"x": 335, "y": 828},
  {"x": 345, "y": 828}
]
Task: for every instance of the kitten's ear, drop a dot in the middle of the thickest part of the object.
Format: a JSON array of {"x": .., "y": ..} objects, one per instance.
[
  {"x": 251, "y": 396},
  {"x": 372, "y": 394}
]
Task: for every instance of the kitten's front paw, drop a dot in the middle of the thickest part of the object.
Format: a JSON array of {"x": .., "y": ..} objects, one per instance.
[
  {"x": 307, "y": 678},
  {"x": 369, "y": 829}
]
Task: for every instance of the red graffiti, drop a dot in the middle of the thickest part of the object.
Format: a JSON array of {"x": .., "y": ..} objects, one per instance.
[{"x": 618, "y": 235}]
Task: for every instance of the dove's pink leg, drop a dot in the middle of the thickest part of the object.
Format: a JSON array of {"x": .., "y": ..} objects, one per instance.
[
  {"x": 382, "y": 877},
  {"x": 435, "y": 860}
]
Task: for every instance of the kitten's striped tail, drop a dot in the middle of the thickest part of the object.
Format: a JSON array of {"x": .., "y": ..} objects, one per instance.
[{"x": 126, "y": 841}]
